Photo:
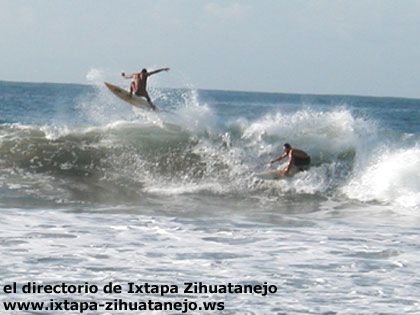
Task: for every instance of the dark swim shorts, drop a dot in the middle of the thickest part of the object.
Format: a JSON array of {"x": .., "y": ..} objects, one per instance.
[{"x": 302, "y": 163}]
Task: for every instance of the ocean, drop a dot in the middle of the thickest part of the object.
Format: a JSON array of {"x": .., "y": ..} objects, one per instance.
[{"x": 94, "y": 191}]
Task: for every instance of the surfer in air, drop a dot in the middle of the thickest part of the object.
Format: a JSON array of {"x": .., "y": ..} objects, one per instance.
[
  {"x": 297, "y": 158},
  {"x": 138, "y": 85}
]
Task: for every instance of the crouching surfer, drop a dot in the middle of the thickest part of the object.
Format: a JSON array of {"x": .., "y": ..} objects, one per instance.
[{"x": 297, "y": 158}]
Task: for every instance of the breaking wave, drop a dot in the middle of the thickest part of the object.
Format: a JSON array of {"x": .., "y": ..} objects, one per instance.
[{"x": 187, "y": 150}]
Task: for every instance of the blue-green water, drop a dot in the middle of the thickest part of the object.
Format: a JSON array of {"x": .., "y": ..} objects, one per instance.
[{"x": 93, "y": 189}]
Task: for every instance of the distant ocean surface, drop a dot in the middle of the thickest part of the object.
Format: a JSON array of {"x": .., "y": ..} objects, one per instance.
[{"x": 92, "y": 189}]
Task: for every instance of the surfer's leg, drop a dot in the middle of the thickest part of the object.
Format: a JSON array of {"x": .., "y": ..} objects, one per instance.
[
  {"x": 132, "y": 88},
  {"x": 146, "y": 95}
]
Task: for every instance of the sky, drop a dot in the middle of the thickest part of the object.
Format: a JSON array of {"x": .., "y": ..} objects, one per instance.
[{"x": 361, "y": 47}]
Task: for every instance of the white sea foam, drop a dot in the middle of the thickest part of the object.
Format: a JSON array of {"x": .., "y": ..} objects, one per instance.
[
  {"x": 191, "y": 114},
  {"x": 389, "y": 176},
  {"x": 304, "y": 258},
  {"x": 53, "y": 132},
  {"x": 177, "y": 189},
  {"x": 319, "y": 132}
]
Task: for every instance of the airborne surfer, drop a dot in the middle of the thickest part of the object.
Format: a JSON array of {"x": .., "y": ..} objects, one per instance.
[
  {"x": 138, "y": 85},
  {"x": 297, "y": 158}
]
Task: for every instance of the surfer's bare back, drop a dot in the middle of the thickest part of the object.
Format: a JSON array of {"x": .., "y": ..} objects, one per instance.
[
  {"x": 138, "y": 86},
  {"x": 297, "y": 158}
]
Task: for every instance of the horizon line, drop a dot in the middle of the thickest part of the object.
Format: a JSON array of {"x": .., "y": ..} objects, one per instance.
[{"x": 223, "y": 90}]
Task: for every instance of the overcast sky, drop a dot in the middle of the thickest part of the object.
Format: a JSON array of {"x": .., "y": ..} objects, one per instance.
[{"x": 325, "y": 47}]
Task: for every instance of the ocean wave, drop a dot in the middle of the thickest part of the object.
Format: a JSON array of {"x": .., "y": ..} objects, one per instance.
[{"x": 189, "y": 152}]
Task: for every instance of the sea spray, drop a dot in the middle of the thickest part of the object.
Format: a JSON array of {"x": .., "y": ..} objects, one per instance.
[
  {"x": 110, "y": 151},
  {"x": 390, "y": 176}
]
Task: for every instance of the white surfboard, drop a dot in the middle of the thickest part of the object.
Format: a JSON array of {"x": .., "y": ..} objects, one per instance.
[
  {"x": 270, "y": 175},
  {"x": 134, "y": 100}
]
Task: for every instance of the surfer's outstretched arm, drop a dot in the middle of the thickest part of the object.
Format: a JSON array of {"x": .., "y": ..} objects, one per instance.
[
  {"x": 281, "y": 157},
  {"x": 127, "y": 76},
  {"x": 157, "y": 71}
]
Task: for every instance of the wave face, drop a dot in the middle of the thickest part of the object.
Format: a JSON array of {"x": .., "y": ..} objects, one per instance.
[{"x": 82, "y": 145}]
